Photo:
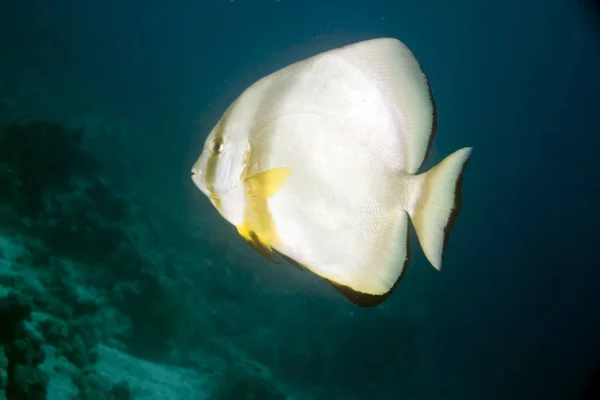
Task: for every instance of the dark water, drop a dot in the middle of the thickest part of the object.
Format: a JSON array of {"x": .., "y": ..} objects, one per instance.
[{"x": 514, "y": 312}]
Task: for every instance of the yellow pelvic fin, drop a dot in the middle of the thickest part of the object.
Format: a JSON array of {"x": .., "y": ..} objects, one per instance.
[
  {"x": 258, "y": 228},
  {"x": 260, "y": 245},
  {"x": 265, "y": 184}
]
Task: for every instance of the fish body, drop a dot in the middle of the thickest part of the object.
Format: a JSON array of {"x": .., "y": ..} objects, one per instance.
[{"x": 318, "y": 162}]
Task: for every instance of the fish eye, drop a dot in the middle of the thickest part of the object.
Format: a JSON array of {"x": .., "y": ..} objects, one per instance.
[{"x": 216, "y": 147}]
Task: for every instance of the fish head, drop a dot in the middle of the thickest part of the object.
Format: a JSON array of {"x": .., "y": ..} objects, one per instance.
[{"x": 222, "y": 163}]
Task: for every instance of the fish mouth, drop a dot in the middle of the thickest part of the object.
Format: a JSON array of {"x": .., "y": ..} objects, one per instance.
[
  {"x": 199, "y": 184},
  {"x": 207, "y": 190}
]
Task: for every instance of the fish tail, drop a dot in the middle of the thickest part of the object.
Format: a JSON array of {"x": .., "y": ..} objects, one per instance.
[{"x": 435, "y": 203}]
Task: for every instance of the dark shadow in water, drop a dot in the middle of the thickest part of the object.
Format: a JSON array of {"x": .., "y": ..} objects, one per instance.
[{"x": 591, "y": 9}]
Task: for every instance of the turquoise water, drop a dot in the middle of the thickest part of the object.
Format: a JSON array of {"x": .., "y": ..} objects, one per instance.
[{"x": 158, "y": 290}]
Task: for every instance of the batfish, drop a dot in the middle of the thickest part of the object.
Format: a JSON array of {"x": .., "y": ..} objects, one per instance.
[{"x": 318, "y": 162}]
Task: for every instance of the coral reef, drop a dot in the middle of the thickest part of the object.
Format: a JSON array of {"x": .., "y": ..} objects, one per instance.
[
  {"x": 23, "y": 350},
  {"x": 54, "y": 194},
  {"x": 80, "y": 264},
  {"x": 98, "y": 304},
  {"x": 248, "y": 381}
]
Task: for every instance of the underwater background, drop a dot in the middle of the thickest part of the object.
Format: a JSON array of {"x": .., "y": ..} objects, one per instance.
[{"x": 119, "y": 280}]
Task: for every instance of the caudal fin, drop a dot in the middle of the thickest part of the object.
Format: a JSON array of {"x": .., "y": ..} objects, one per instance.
[{"x": 436, "y": 203}]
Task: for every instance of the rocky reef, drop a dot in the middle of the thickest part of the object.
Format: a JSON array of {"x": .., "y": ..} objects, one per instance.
[
  {"x": 93, "y": 305},
  {"x": 22, "y": 349}
]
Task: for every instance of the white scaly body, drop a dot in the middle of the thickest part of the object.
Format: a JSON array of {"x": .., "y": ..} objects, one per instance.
[{"x": 353, "y": 126}]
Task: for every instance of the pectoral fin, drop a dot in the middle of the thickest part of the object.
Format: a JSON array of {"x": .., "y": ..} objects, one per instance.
[
  {"x": 265, "y": 184},
  {"x": 259, "y": 245}
]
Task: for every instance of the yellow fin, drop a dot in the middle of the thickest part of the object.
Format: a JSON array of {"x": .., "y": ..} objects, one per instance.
[
  {"x": 258, "y": 229},
  {"x": 259, "y": 245},
  {"x": 265, "y": 184}
]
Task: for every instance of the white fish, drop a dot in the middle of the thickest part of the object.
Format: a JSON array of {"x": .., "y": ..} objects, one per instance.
[{"x": 318, "y": 162}]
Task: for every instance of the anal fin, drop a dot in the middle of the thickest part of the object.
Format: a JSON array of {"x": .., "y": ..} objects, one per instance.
[
  {"x": 373, "y": 283},
  {"x": 292, "y": 262}
]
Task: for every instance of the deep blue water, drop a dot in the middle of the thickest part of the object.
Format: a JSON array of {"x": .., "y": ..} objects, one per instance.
[{"x": 514, "y": 312}]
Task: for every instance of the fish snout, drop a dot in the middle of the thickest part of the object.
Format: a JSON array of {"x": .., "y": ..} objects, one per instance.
[{"x": 197, "y": 178}]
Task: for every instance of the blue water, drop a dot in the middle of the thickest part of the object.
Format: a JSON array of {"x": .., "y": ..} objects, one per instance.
[{"x": 514, "y": 312}]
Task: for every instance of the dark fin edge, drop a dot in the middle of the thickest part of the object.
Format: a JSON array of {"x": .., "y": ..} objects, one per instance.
[
  {"x": 257, "y": 246},
  {"x": 434, "y": 123},
  {"x": 358, "y": 298},
  {"x": 371, "y": 300},
  {"x": 292, "y": 261},
  {"x": 457, "y": 207}
]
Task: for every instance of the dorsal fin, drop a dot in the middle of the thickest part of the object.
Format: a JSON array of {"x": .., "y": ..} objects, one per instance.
[{"x": 393, "y": 66}]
